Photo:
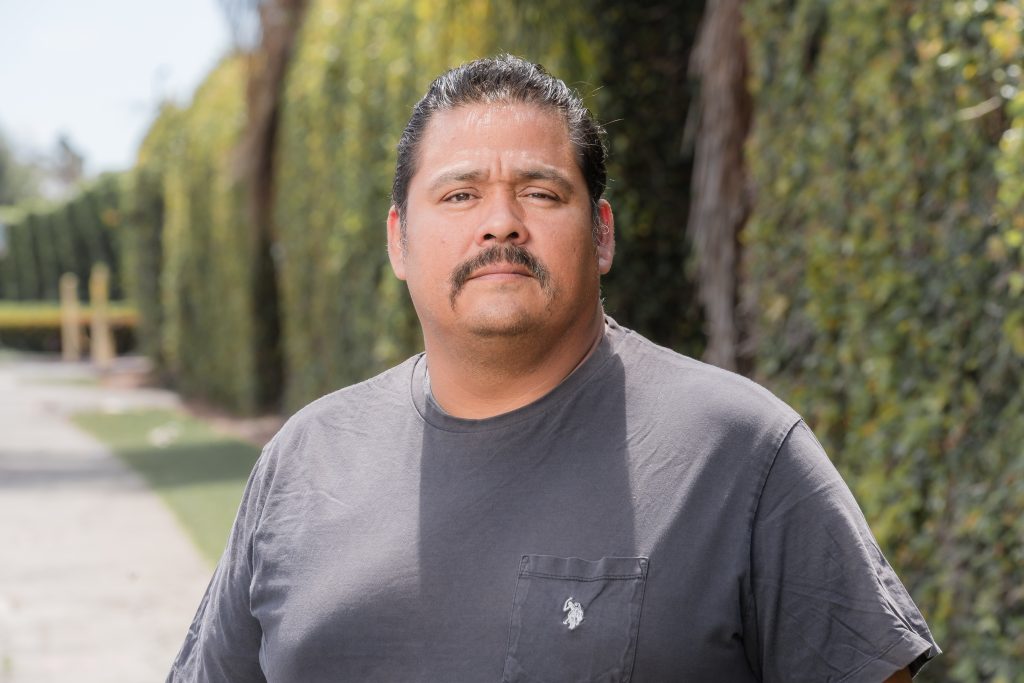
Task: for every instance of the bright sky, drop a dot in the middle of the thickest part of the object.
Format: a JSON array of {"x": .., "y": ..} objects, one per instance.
[{"x": 96, "y": 70}]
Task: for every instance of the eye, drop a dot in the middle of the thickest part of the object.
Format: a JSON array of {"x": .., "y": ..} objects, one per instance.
[
  {"x": 542, "y": 194},
  {"x": 458, "y": 197}
]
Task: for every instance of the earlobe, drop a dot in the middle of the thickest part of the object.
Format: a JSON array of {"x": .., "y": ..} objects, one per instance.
[
  {"x": 605, "y": 237},
  {"x": 396, "y": 250}
]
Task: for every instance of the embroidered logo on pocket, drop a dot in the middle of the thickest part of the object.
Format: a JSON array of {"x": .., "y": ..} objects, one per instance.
[
  {"x": 550, "y": 598},
  {"x": 575, "y": 611}
]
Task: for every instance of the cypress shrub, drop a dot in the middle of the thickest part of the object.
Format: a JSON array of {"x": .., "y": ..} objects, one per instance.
[
  {"x": 44, "y": 241},
  {"x": 63, "y": 240},
  {"x": 40, "y": 229},
  {"x": 80, "y": 232},
  {"x": 885, "y": 272},
  {"x": 9, "y": 280},
  {"x": 105, "y": 195},
  {"x": 89, "y": 249},
  {"x": 5, "y": 269},
  {"x": 19, "y": 261},
  {"x": 23, "y": 256},
  {"x": 24, "y": 260}
]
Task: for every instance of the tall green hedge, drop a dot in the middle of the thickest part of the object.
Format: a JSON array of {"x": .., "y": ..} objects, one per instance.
[
  {"x": 144, "y": 209},
  {"x": 885, "y": 270},
  {"x": 212, "y": 335}
]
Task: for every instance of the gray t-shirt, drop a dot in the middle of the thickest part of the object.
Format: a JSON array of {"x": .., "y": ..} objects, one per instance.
[{"x": 651, "y": 519}]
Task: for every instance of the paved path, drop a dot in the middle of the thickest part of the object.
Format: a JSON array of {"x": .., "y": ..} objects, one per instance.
[{"x": 98, "y": 582}]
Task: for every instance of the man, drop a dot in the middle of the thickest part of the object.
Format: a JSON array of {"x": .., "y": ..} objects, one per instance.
[{"x": 542, "y": 495}]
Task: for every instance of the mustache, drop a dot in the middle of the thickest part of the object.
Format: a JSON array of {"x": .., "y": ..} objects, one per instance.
[{"x": 500, "y": 253}]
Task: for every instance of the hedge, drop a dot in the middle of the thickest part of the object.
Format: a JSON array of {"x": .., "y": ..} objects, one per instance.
[
  {"x": 885, "y": 273},
  {"x": 212, "y": 329},
  {"x": 144, "y": 209},
  {"x": 45, "y": 240}
]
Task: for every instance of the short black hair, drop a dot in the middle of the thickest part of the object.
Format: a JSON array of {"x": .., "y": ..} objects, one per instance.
[{"x": 504, "y": 79}]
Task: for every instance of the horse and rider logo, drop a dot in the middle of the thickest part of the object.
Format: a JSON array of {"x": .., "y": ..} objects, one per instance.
[{"x": 575, "y": 611}]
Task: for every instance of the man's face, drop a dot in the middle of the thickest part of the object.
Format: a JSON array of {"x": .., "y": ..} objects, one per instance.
[{"x": 498, "y": 238}]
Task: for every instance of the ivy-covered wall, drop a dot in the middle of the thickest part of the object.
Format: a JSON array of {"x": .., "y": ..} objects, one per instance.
[{"x": 885, "y": 273}]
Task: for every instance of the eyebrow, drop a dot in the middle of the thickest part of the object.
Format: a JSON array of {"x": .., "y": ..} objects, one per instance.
[
  {"x": 455, "y": 177},
  {"x": 549, "y": 175}
]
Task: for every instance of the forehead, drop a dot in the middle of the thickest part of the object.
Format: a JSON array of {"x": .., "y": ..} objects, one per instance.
[{"x": 496, "y": 135}]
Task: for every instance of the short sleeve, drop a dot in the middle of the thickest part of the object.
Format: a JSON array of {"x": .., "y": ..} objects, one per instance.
[
  {"x": 223, "y": 642},
  {"x": 825, "y": 604}
]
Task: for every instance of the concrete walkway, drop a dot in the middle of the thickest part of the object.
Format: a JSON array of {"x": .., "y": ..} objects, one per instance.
[{"x": 97, "y": 580}]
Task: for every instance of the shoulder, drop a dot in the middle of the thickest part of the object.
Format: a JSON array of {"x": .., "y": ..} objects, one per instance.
[
  {"x": 665, "y": 382},
  {"x": 371, "y": 402}
]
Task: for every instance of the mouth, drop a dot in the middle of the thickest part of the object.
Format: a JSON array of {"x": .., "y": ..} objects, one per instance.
[
  {"x": 500, "y": 271},
  {"x": 506, "y": 262}
]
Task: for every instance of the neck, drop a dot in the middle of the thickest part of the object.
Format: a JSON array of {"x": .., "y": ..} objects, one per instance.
[{"x": 478, "y": 377}]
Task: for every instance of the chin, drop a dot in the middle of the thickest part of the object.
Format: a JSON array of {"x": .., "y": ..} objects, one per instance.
[{"x": 512, "y": 324}]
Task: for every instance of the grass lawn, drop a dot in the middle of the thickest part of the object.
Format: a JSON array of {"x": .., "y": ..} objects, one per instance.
[{"x": 197, "y": 471}]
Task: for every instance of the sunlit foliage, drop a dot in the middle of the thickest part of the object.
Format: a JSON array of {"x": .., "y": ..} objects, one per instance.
[
  {"x": 211, "y": 336},
  {"x": 885, "y": 267}
]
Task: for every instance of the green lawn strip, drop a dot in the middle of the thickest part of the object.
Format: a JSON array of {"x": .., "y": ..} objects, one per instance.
[{"x": 198, "y": 472}]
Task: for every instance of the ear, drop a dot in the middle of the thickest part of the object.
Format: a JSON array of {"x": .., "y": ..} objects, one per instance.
[
  {"x": 605, "y": 237},
  {"x": 396, "y": 253}
]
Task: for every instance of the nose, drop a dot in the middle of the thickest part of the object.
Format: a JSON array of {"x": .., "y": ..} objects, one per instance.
[{"x": 502, "y": 221}]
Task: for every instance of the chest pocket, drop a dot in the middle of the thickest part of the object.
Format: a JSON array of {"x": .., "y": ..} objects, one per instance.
[{"x": 575, "y": 620}]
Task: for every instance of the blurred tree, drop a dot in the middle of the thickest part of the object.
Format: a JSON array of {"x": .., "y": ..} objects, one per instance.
[
  {"x": 721, "y": 201},
  {"x": 214, "y": 324},
  {"x": 244, "y": 21},
  {"x": 266, "y": 30},
  {"x": 68, "y": 163},
  {"x": 18, "y": 180}
]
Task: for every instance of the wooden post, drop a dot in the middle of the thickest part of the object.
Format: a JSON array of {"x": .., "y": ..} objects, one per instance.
[
  {"x": 101, "y": 345},
  {"x": 70, "y": 318}
]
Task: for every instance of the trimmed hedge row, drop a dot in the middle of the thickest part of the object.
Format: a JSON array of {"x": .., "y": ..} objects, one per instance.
[
  {"x": 45, "y": 241},
  {"x": 885, "y": 273}
]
